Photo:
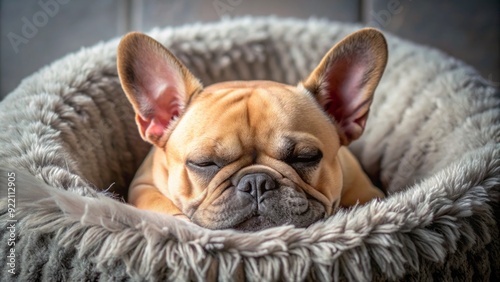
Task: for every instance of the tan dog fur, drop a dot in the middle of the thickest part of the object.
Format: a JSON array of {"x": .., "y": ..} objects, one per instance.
[{"x": 206, "y": 140}]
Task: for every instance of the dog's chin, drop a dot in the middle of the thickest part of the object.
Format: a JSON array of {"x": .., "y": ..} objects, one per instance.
[
  {"x": 285, "y": 206},
  {"x": 261, "y": 222},
  {"x": 255, "y": 223}
]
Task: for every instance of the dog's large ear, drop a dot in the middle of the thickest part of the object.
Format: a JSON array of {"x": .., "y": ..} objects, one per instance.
[
  {"x": 156, "y": 83},
  {"x": 344, "y": 81}
]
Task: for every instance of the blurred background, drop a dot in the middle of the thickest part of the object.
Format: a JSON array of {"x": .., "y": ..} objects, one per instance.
[{"x": 37, "y": 32}]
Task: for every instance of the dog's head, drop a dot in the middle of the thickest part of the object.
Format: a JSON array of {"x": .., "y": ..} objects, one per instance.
[{"x": 252, "y": 154}]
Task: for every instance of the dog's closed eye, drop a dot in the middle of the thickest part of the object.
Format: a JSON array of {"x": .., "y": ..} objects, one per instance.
[{"x": 305, "y": 159}]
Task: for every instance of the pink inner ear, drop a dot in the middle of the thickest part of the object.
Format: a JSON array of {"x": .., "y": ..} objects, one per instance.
[
  {"x": 164, "y": 109},
  {"x": 160, "y": 89},
  {"x": 346, "y": 99},
  {"x": 343, "y": 88},
  {"x": 156, "y": 128}
]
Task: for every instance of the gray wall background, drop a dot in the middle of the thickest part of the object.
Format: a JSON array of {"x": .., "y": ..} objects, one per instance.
[{"x": 36, "y": 32}]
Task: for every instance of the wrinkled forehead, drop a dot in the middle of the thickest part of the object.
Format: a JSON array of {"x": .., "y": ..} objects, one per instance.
[
  {"x": 241, "y": 106},
  {"x": 253, "y": 103},
  {"x": 255, "y": 100},
  {"x": 249, "y": 85},
  {"x": 255, "y": 111}
]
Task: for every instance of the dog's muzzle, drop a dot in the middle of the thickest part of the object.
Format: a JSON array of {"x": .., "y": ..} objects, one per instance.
[{"x": 259, "y": 197}]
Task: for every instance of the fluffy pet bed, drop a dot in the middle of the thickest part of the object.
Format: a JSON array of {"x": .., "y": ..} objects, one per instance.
[{"x": 432, "y": 142}]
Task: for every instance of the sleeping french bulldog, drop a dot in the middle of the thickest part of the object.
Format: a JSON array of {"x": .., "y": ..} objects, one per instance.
[{"x": 250, "y": 155}]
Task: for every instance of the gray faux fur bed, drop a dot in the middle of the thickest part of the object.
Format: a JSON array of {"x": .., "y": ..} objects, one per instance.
[{"x": 432, "y": 141}]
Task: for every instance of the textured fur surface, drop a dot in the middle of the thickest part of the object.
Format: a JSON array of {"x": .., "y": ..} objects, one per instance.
[{"x": 432, "y": 141}]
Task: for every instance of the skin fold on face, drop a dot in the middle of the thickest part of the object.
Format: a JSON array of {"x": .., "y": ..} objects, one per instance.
[{"x": 260, "y": 127}]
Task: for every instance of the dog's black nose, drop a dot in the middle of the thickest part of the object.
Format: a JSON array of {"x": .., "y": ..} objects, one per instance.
[{"x": 256, "y": 184}]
